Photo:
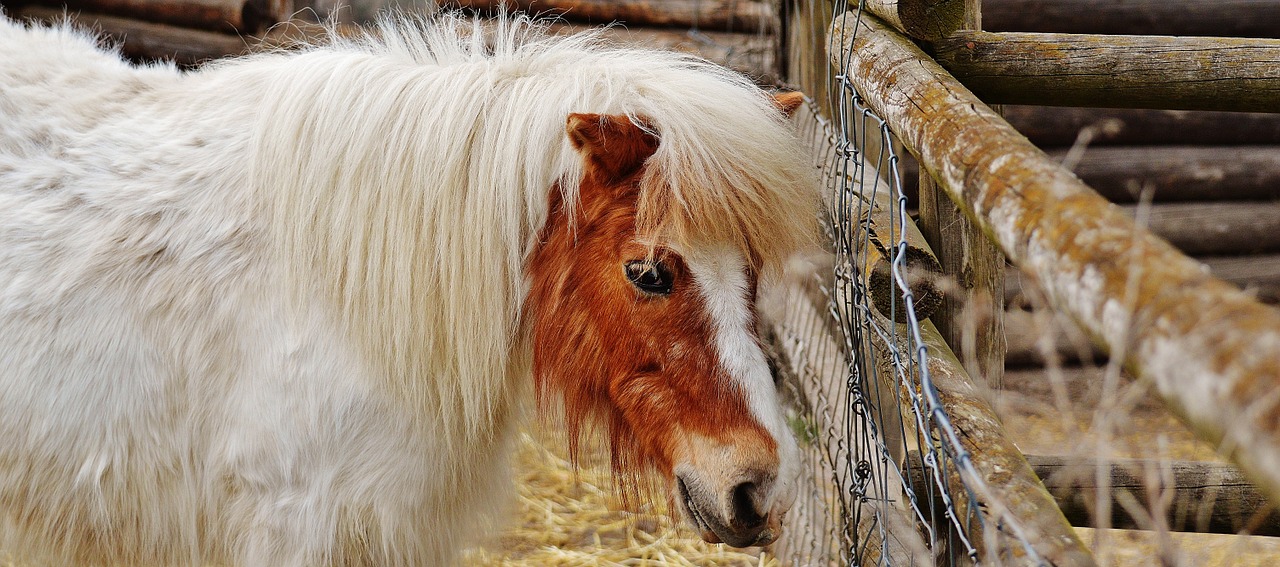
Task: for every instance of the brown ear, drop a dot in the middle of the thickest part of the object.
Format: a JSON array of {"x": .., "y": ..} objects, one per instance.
[
  {"x": 611, "y": 144},
  {"x": 788, "y": 102}
]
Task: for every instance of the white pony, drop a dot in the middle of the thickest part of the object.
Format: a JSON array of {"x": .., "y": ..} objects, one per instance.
[{"x": 281, "y": 310}]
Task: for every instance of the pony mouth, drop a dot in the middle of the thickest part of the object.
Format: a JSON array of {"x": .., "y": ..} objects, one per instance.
[{"x": 695, "y": 517}]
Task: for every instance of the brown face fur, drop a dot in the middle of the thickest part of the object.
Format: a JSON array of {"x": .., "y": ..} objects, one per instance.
[{"x": 645, "y": 365}]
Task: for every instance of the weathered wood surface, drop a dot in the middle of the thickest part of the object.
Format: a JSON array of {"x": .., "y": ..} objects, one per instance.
[
  {"x": 1214, "y": 228},
  {"x": 1187, "y": 73},
  {"x": 751, "y": 54},
  {"x": 1203, "y": 497},
  {"x": 1048, "y": 126},
  {"x": 722, "y": 15},
  {"x": 226, "y": 16},
  {"x": 921, "y": 19},
  {"x": 146, "y": 41},
  {"x": 1180, "y": 173},
  {"x": 1016, "y": 500},
  {"x": 1227, "y": 18},
  {"x": 1207, "y": 347},
  {"x": 1258, "y": 275},
  {"x": 747, "y": 53}
]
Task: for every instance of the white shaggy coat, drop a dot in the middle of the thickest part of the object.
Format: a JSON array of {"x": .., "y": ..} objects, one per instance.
[{"x": 268, "y": 313}]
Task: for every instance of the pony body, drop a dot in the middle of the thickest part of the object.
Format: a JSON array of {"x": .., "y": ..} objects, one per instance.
[{"x": 271, "y": 312}]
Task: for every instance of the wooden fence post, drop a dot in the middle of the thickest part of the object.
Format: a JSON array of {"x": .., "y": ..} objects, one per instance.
[{"x": 970, "y": 316}]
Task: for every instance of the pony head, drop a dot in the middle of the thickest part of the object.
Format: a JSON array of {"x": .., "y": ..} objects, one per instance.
[{"x": 643, "y": 318}]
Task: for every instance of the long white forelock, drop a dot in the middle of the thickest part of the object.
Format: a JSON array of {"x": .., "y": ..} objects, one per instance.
[{"x": 465, "y": 177}]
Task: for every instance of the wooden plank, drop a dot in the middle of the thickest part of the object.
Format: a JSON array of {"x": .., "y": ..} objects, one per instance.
[
  {"x": 1048, "y": 126},
  {"x": 146, "y": 41},
  {"x": 722, "y": 15},
  {"x": 1226, "y": 18},
  {"x": 921, "y": 19},
  {"x": 1214, "y": 228},
  {"x": 226, "y": 16},
  {"x": 1187, "y": 73},
  {"x": 1202, "y": 497},
  {"x": 750, "y": 54},
  {"x": 1180, "y": 173},
  {"x": 1197, "y": 339}
]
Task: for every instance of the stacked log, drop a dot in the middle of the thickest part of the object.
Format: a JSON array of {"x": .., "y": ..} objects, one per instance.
[{"x": 192, "y": 32}]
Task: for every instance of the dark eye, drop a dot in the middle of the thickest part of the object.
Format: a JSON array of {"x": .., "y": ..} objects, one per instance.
[{"x": 649, "y": 277}]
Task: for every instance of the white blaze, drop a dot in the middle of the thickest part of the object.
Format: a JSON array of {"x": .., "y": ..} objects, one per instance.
[{"x": 721, "y": 275}]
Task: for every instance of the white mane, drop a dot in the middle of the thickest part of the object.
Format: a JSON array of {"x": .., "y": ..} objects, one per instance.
[{"x": 463, "y": 134}]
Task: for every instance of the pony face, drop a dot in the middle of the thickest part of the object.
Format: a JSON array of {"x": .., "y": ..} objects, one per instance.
[{"x": 659, "y": 345}]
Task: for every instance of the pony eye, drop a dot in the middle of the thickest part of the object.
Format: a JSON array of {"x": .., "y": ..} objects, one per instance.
[{"x": 649, "y": 277}]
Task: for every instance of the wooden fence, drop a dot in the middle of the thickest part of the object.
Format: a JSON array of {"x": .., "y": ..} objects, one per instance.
[{"x": 1210, "y": 351}]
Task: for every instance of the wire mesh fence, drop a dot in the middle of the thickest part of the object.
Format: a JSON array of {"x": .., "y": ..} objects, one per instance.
[{"x": 887, "y": 479}]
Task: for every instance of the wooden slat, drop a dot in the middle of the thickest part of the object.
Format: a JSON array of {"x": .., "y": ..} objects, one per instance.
[
  {"x": 1226, "y": 18},
  {"x": 1203, "y": 497},
  {"x": 1048, "y": 126},
  {"x": 1180, "y": 173},
  {"x": 226, "y": 16},
  {"x": 147, "y": 41},
  {"x": 1188, "y": 73},
  {"x": 722, "y": 15}
]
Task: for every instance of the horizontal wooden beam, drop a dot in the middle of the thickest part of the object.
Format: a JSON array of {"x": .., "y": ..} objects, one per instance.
[
  {"x": 1214, "y": 228},
  {"x": 1186, "y": 73},
  {"x": 1202, "y": 497},
  {"x": 1205, "y": 497},
  {"x": 1048, "y": 126},
  {"x": 749, "y": 53},
  {"x": 1225, "y": 18},
  {"x": 145, "y": 40},
  {"x": 1180, "y": 173},
  {"x": 722, "y": 15},
  {"x": 225, "y": 16},
  {"x": 1207, "y": 348}
]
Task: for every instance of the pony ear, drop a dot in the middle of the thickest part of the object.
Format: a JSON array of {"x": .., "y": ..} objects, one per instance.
[
  {"x": 613, "y": 146},
  {"x": 788, "y": 102}
]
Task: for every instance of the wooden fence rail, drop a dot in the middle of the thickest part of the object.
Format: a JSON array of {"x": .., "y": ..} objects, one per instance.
[
  {"x": 1208, "y": 348},
  {"x": 1187, "y": 73}
]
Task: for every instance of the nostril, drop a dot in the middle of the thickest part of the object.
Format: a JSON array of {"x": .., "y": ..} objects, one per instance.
[{"x": 745, "y": 514}]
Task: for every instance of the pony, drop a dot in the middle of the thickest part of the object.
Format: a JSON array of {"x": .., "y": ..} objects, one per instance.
[{"x": 288, "y": 309}]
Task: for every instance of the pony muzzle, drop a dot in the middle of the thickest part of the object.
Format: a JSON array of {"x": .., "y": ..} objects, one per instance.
[{"x": 738, "y": 513}]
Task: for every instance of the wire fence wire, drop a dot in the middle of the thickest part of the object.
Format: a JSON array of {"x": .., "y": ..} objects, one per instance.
[{"x": 881, "y": 456}]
